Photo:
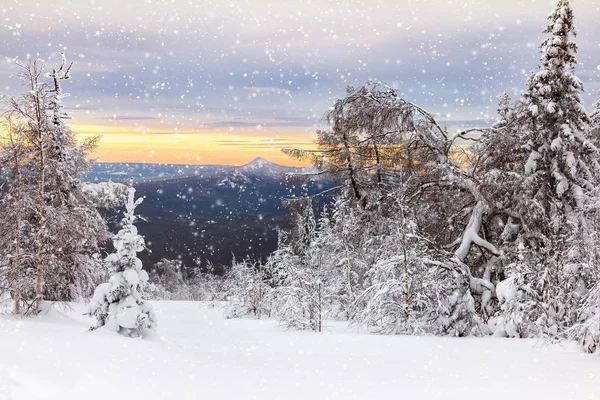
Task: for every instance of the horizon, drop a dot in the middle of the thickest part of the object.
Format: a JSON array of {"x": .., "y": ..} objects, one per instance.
[
  {"x": 188, "y": 164},
  {"x": 172, "y": 82}
]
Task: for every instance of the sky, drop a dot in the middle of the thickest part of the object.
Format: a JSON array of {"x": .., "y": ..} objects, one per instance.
[{"x": 205, "y": 82}]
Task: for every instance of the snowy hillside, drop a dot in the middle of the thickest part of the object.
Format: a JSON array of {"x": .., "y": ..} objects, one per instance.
[{"x": 199, "y": 355}]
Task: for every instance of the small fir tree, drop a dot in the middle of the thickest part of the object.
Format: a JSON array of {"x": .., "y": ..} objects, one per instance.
[{"x": 119, "y": 304}]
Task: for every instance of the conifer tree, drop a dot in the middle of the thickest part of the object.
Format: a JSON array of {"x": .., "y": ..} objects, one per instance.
[
  {"x": 549, "y": 274},
  {"x": 119, "y": 304}
]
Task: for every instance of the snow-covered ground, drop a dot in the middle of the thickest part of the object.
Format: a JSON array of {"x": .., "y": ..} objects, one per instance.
[{"x": 198, "y": 355}]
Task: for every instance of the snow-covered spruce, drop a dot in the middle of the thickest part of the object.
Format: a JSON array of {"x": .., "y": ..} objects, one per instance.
[
  {"x": 118, "y": 304},
  {"x": 549, "y": 184}
]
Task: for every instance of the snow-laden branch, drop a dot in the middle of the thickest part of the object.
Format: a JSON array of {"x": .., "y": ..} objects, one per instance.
[{"x": 471, "y": 234}]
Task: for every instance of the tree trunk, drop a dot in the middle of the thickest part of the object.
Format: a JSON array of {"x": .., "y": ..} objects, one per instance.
[
  {"x": 18, "y": 235},
  {"x": 42, "y": 208},
  {"x": 40, "y": 261},
  {"x": 406, "y": 282}
]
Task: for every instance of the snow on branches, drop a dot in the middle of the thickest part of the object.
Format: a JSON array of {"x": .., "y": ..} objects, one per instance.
[{"x": 119, "y": 304}]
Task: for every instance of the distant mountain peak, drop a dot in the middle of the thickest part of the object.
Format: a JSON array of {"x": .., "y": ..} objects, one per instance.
[
  {"x": 262, "y": 167},
  {"x": 257, "y": 163}
]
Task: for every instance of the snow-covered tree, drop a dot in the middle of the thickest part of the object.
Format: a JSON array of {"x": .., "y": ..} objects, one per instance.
[
  {"x": 371, "y": 135},
  {"x": 119, "y": 304},
  {"x": 303, "y": 295},
  {"x": 206, "y": 284},
  {"x": 549, "y": 272},
  {"x": 450, "y": 207},
  {"x": 54, "y": 198},
  {"x": 247, "y": 290},
  {"x": 594, "y": 131},
  {"x": 587, "y": 331},
  {"x": 396, "y": 298},
  {"x": 15, "y": 275},
  {"x": 168, "y": 274}
]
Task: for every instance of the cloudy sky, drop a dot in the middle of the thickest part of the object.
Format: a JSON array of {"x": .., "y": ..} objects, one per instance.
[{"x": 225, "y": 81}]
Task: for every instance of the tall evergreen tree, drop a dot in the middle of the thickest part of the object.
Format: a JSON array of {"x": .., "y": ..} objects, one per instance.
[
  {"x": 549, "y": 271},
  {"x": 559, "y": 152}
]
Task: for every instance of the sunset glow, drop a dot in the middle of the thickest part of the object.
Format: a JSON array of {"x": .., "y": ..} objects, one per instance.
[{"x": 122, "y": 143}]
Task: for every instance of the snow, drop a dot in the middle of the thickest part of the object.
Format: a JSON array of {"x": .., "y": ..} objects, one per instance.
[
  {"x": 128, "y": 312},
  {"x": 105, "y": 194},
  {"x": 506, "y": 290},
  {"x": 200, "y": 355},
  {"x": 556, "y": 144},
  {"x": 534, "y": 110},
  {"x": 131, "y": 276},
  {"x": 531, "y": 164}
]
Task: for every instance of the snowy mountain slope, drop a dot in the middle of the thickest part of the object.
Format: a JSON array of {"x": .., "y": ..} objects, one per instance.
[{"x": 199, "y": 355}]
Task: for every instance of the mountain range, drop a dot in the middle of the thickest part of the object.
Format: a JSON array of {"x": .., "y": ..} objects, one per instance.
[{"x": 210, "y": 213}]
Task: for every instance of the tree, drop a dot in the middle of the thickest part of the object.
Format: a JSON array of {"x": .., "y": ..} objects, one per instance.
[
  {"x": 397, "y": 295},
  {"x": 13, "y": 273},
  {"x": 587, "y": 330},
  {"x": 372, "y": 134},
  {"x": 303, "y": 294},
  {"x": 248, "y": 290},
  {"x": 119, "y": 304},
  {"x": 558, "y": 169},
  {"x": 47, "y": 184},
  {"x": 415, "y": 145},
  {"x": 168, "y": 274}
]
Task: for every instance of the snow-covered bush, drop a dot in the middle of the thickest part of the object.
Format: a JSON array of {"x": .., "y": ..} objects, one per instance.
[
  {"x": 247, "y": 290},
  {"x": 168, "y": 275},
  {"x": 171, "y": 280},
  {"x": 119, "y": 304}
]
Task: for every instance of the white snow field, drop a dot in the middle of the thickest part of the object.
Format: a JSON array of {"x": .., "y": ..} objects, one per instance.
[{"x": 199, "y": 355}]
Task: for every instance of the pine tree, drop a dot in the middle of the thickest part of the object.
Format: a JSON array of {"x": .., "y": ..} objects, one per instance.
[
  {"x": 556, "y": 140},
  {"x": 550, "y": 275},
  {"x": 119, "y": 304}
]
